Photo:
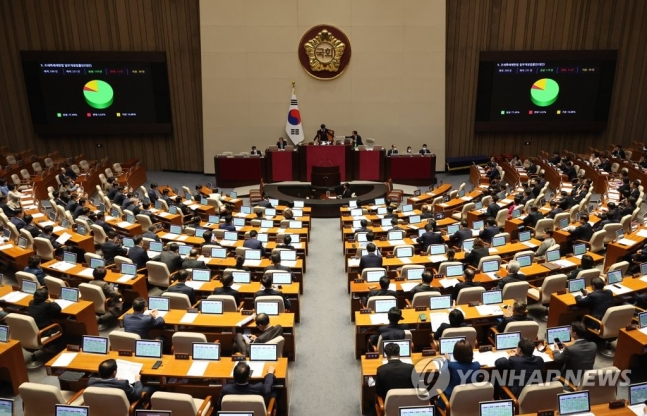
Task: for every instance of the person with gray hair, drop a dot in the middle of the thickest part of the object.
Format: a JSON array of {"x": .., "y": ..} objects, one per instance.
[{"x": 514, "y": 275}]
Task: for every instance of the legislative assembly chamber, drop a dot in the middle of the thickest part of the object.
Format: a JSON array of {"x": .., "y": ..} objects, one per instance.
[{"x": 178, "y": 177}]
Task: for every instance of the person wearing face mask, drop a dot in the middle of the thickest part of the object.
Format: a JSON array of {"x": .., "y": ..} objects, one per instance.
[
  {"x": 409, "y": 151},
  {"x": 424, "y": 150},
  {"x": 392, "y": 151}
]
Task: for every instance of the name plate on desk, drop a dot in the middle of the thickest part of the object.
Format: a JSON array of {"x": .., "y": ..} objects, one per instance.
[
  {"x": 616, "y": 404},
  {"x": 485, "y": 348},
  {"x": 237, "y": 358},
  {"x": 372, "y": 355},
  {"x": 192, "y": 310},
  {"x": 428, "y": 353},
  {"x": 181, "y": 356},
  {"x": 359, "y": 280},
  {"x": 474, "y": 303},
  {"x": 246, "y": 312},
  {"x": 399, "y": 279},
  {"x": 561, "y": 292},
  {"x": 421, "y": 308},
  {"x": 546, "y": 413},
  {"x": 439, "y": 276},
  {"x": 125, "y": 353},
  {"x": 365, "y": 311},
  {"x": 72, "y": 347}
]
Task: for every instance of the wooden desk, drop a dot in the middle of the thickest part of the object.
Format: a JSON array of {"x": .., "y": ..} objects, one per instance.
[
  {"x": 629, "y": 344},
  {"x": 84, "y": 242},
  {"x": 131, "y": 230},
  {"x": 601, "y": 410},
  {"x": 12, "y": 364},
  {"x": 221, "y": 264},
  {"x": 77, "y": 319},
  {"x": 616, "y": 252},
  {"x": 210, "y": 383},
  {"x": 457, "y": 203},
  {"x": 15, "y": 256},
  {"x": 428, "y": 197}
]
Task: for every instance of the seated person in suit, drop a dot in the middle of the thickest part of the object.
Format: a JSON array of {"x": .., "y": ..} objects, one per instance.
[
  {"x": 347, "y": 192},
  {"x": 431, "y": 236},
  {"x": 276, "y": 263},
  {"x": 192, "y": 262},
  {"x": 489, "y": 231},
  {"x": 478, "y": 252},
  {"x": 460, "y": 368},
  {"x": 115, "y": 302},
  {"x": 137, "y": 254},
  {"x": 152, "y": 193},
  {"x": 597, "y": 301},
  {"x": 226, "y": 289},
  {"x": 101, "y": 222},
  {"x": 18, "y": 220},
  {"x": 30, "y": 227},
  {"x": 209, "y": 239},
  {"x": 227, "y": 225},
  {"x": 427, "y": 212},
  {"x": 281, "y": 143},
  {"x": 424, "y": 150},
  {"x": 5, "y": 207},
  {"x": 181, "y": 287},
  {"x": 464, "y": 233},
  {"x": 253, "y": 243},
  {"x": 582, "y": 232},
  {"x": 577, "y": 356},
  {"x": 532, "y": 218},
  {"x": 520, "y": 367},
  {"x": 33, "y": 267},
  {"x": 370, "y": 237},
  {"x": 150, "y": 233},
  {"x": 268, "y": 333},
  {"x": 554, "y": 210},
  {"x": 371, "y": 259},
  {"x": 363, "y": 227},
  {"x": 382, "y": 291},
  {"x": 493, "y": 208},
  {"x": 392, "y": 151},
  {"x": 170, "y": 257},
  {"x": 392, "y": 331},
  {"x": 268, "y": 290},
  {"x": 287, "y": 243},
  {"x": 456, "y": 320},
  {"x": 265, "y": 203},
  {"x": 108, "y": 378},
  {"x": 394, "y": 374},
  {"x": 586, "y": 263},
  {"x": 240, "y": 260},
  {"x": 112, "y": 248},
  {"x": 48, "y": 234},
  {"x": 79, "y": 208},
  {"x": 242, "y": 385},
  {"x": 548, "y": 242},
  {"x": 390, "y": 212},
  {"x": 394, "y": 225},
  {"x": 43, "y": 310},
  {"x": 425, "y": 286},
  {"x": 514, "y": 275},
  {"x": 141, "y": 323},
  {"x": 468, "y": 282},
  {"x": 517, "y": 314}
]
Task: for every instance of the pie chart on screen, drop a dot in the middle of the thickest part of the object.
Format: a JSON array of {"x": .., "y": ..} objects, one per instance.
[
  {"x": 544, "y": 92},
  {"x": 98, "y": 94}
]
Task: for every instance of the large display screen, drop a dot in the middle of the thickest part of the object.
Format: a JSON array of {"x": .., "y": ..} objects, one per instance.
[
  {"x": 552, "y": 90},
  {"x": 97, "y": 92}
]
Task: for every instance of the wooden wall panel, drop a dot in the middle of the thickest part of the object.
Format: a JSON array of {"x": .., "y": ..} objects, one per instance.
[
  {"x": 172, "y": 26},
  {"x": 505, "y": 25}
]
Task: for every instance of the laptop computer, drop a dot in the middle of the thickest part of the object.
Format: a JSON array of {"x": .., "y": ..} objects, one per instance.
[
  {"x": 395, "y": 235},
  {"x": 416, "y": 411},
  {"x": 4, "y": 334},
  {"x": 282, "y": 278},
  {"x": 374, "y": 275},
  {"x": 233, "y": 194},
  {"x": 128, "y": 269},
  {"x": 128, "y": 242},
  {"x": 385, "y": 222},
  {"x": 70, "y": 294},
  {"x": 262, "y": 237},
  {"x": 478, "y": 205},
  {"x": 614, "y": 277},
  {"x": 155, "y": 247},
  {"x": 199, "y": 232},
  {"x": 524, "y": 260},
  {"x": 575, "y": 286},
  {"x": 246, "y": 209},
  {"x": 274, "y": 202},
  {"x": 415, "y": 274},
  {"x": 267, "y": 307},
  {"x": 576, "y": 403},
  {"x": 211, "y": 307},
  {"x": 298, "y": 204},
  {"x": 69, "y": 257},
  {"x": 160, "y": 303},
  {"x": 230, "y": 236},
  {"x": 551, "y": 256},
  {"x": 129, "y": 218},
  {"x": 199, "y": 275},
  {"x": 218, "y": 253},
  {"x": 643, "y": 269},
  {"x": 242, "y": 277},
  {"x": 407, "y": 208},
  {"x": 414, "y": 219},
  {"x": 447, "y": 344},
  {"x": 562, "y": 333},
  {"x": 379, "y": 201},
  {"x": 638, "y": 394},
  {"x": 184, "y": 250},
  {"x": 498, "y": 241},
  {"x": 352, "y": 204},
  {"x": 452, "y": 229},
  {"x": 22, "y": 242},
  {"x": 270, "y": 212},
  {"x": 491, "y": 267},
  {"x": 239, "y": 222},
  {"x": 491, "y": 297},
  {"x": 263, "y": 352},
  {"x": 507, "y": 340},
  {"x": 516, "y": 213},
  {"x": 207, "y": 351},
  {"x": 267, "y": 224},
  {"x": 297, "y": 213},
  {"x": 172, "y": 209},
  {"x": 496, "y": 408},
  {"x": 27, "y": 286},
  {"x": 213, "y": 219},
  {"x": 404, "y": 344},
  {"x": 478, "y": 224},
  {"x": 468, "y": 245},
  {"x": 95, "y": 345},
  {"x": 68, "y": 410},
  {"x": 524, "y": 236},
  {"x": 288, "y": 255},
  {"x": 440, "y": 215},
  {"x": 148, "y": 348},
  {"x": 175, "y": 229},
  {"x": 384, "y": 305},
  {"x": 404, "y": 252},
  {"x": 563, "y": 223},
  {"x": 437, "y": 249},
  {"x": 454, "y": 270},
  {"x": 642, "y": 320},
  {"x": 94, "y": 263},
  {"x": 579, "y": 250},
  {"x": 440, "y": 302},
  {"x": 252, "y": 254}
]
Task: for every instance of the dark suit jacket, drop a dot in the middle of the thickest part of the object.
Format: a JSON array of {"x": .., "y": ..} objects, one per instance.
[
  {"x": 554, "y": 212},
  {"x": 272, "y": 292},
  {"x": 460, "y": 236},
  {"x": 152, "y": 235},
  {"x": 421, "y": 288},
  {"x": 172, "y": 260},
  {"x": 106, "y": 227},
  {"x": 33, "y": 230},
  {"x": 439, "y": 332},
  {"x": 77, "y": 211},
  {"x": 388, "y": 332},
  {"x": 582, "y": 232},
  {"x": 261, "y": 388},
  {"x": 598, "y": 302},
  {"x": 489, "y": 232},
  {"x": 532, "y": 218},
  {"x": 514, "y": 318},
  {"x": 511, "y": 278},
  {"x": 18, "y": 222},
  {"x": 227, "y": 227},
  {"x": 492, "y": 210},
  {"x": 475, "y": 256},
  {"x": 254, "y": 244},
  {"x": 430, "y": 238},
  {"x": 228, "y": 291},
  {"x": 133, "y": 392},
  {"x": 183, "y": 288},
  {"x": 152, "y": 195},
  {"x": 519, "y": 366},
  {"x": 43, "y": 312},
  {"x": 194, "y": 264},
  {"x": 138, "y": 323},
  {"x": 348, "y": 193},
  {"x": 578, "y": 356},
  {"x": 393, "y": 375},
  {"x": 139, "y": 256},
  {"x": 378, "y": 292},
  {"x": 463, "y": 285},
  {"x": 369, "y": 260},
  {"x": 110, "y": 250}
]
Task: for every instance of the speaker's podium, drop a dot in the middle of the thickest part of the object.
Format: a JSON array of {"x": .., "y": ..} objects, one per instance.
[
  {"x": 325, "y": 176},
  {"x": 325, "y": 156}
]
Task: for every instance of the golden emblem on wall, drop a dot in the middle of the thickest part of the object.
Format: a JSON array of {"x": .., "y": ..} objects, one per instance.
[{"x": 324, "y": 52}]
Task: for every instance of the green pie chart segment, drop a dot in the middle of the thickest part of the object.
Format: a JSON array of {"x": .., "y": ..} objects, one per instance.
[
  {"x": 98, "y": 94},
  {"x": 544, "y": 92}
]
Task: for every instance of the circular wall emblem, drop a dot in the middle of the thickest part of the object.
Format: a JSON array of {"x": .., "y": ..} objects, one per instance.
[{"x": 324, "y": 52}]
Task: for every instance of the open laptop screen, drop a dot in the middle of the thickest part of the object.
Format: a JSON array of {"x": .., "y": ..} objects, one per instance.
[
  {"x": 637, "y": 393},
  {"x": 143, "y": 412},
  {"x": 70, "y": 293},
  {"x": 507, "y": 340},
  {"x": 270, "y": 212},
  {"x": 184, "y": 249},
  {"x": 288, "y": 255},
  {"x": 231, "y": 236},
  {"x": 525, "y": 260},
  {"x": 218, "y": 253},
  {"x": 490, "y": 266},
  {"x": 579, "y": 249},
  {"x": 491, "y": 297},
  {"x": 394, "y": 235},
  {"x": 496, "y": 408},
  {"x": 562, "y": 333},
  {"x": 205, "y": 351},
  {"x": 95, "y": 345},
  {"x": 415, "y": 274},
  {"x": 468, "y": 245},
  {"x": 129, "y": 269},
  {"x": 94, "y": 263},
  {"x": 374, "y": 275},
  {"x": 453, "y": 271},
  {"x": 148, "y": 348},
  {"x": 175, "y": 229},
  {"x": 614, "y": 276},
  {"x": 477, "y": 225},
  {"x": 69, "y": 257},
  {"x": 159, "y": 303},
  {"x": 211, "y": 306},
  {"x": 155, "y": 246},
  {"x": 269, "y": 308},
  {"x": 263, "y": 352},
  {"x": 239, "y": 222},
  {"x": 242, "y": 277},
  {"x": 524, "y": 236},
  {"x": 447, "y": 344},
  {"x": 282, "y": 278},
  {"x": 576, "y": 285},
  {"x": 404, "y": 344},
  {"x": 436, "y": 249},
  {"x": 252, "y": 254},
  {"x": 498, "y": 241},
  {"x": 4, "y": 334},
  {"x": 199, "y": 275},
  {"x": 417, "y": 411},
  {"x": 451, "y": 229},
  {"x": 642, "y": 319},
  {"x": 383, "y": 305},
  {"x": 67, "y": 410},
  {"x": 298, "y": 204},
  {"x": 401, "y": 252},
  {"x": 440, "y": 302},
  {"x": 573, "y": 403},
  {"x": 552, "y": 255},
  {"x": 27, "y": 286}
]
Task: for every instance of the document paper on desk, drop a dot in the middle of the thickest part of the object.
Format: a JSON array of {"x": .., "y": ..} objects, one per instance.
[
  {"x": 485, "y": 310},
  {"x": 8, "y": 246},
  {"x": 445, "y": 282},
  {"x": 543, "y": 355},
  {"x": 127, "y": 370},
  {"x": 169, "y": 236},
  {"x": 438, "y": 318},
  {"x": 63, "y": 303},
  {"x": 87, "y": 272},
  {"x": 406, "y": 287},
  {"x": 642, "y": 233},
  {"x": 197, "y": 368},
  {"x": 643, "y": 330},
  {"x": 63, "y": 238},
  {"x": 488, "y": 358},
  {"x": 564, "y": 263},
  {"x": 380, "y": 319},
  {"x": 62, "y": 266},
  {"x": 626, "y": 242},
  {"x": 14, "y": 297},
  {"x": 194, "y": 285},
  {"x": 188, "y": 318},
  {"x": 637, "y": 409},
  {"x": 618, "y": 291},
  {"x": 65, "y": 359}
]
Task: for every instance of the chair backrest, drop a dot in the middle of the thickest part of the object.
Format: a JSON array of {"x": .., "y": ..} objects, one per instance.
[
  {"x": 109, "y": 173},
  {"x": 372, "y": 269},
  {"x": 465, "y": 398},
  {"x": 117, "y": 168},
  {"x": 529, "y": 203},
  {"x": 25, "y": 174},
  {"x": 535, "y": 397},
  {"x": 465, "y": 331},
  {"x": 486, "y": 200},
  {"x": 616, "y": 318},
  {"x": 228, "y": 302},
  {"x": 626, "y": 223},
  {"x": 528, "y": 329},
  {"x": 525, "y": 253},
  {"x": 597, "y": 241},
  {"x": 54, "y": 285},
  {"x": 422, "y": 298},
  {"x": 542, "y": 225},
  {"x": 588, "y": 274},
  {"x": 119, "y": 260},
  {"x": 623, "y": 266},
  {"x": 277, "y": 298},
  {"x": 469, "y": 294},
  {"x": 558, "y": 218},
  {"x": 48, "y": 162},
  {"x": 373, "y": 299},
  {"x": 44, "y": 248},
  {"x": 501, "y": 217},
  {"x": 488, "y": 258},
  {"x": 279, "y": 342},
  {"x": 99, "y": 234},
  {"x": 106, "y": 401},
  {"x": 397, "y": 398},
  {"x": 516, "y": 290},
  {"x": 37, "y": 167},
  {"x": 467, "y": 208},
  {"x": 177, "y": 300},
  {"x": 250, "y": 403},
  {"x": 158, "y": 274},
  {"x": 206, "y": 250},
  {"x": 597, "y": 383},
  {"x": 20, "y": 276},
  {"x": 551, "y": 285},
  {"x": 24, "y": 329},
  {"x": 177, "y": 403},
  {"x": 95, "y": 295},
  {"x": 40, "y": 399},
  {"x": 120, "y": 340},
  {"x": 183, "y": 341}
]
